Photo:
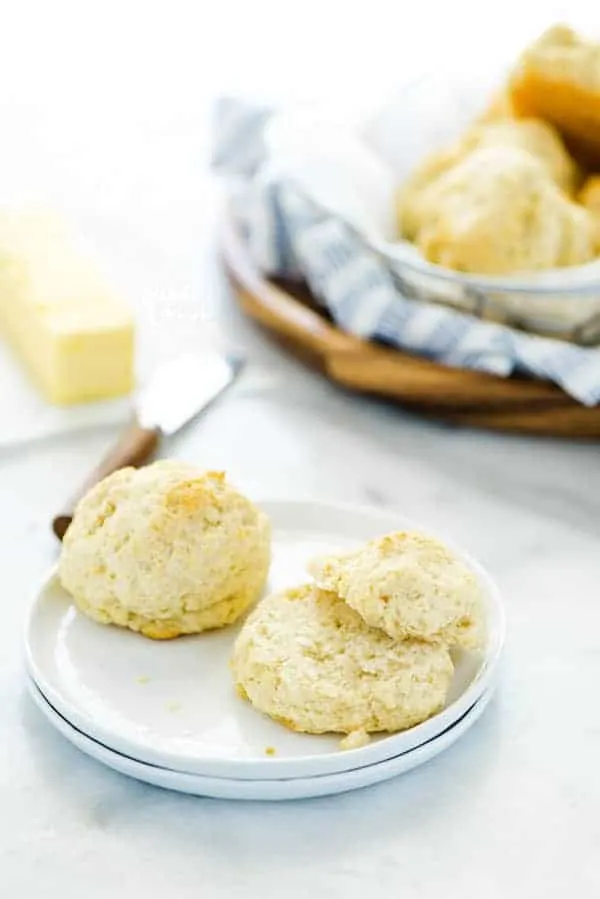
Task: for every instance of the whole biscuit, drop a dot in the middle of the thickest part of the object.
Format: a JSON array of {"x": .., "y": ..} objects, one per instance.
[
  {"x": 165, "y": 550},
  {"x": 533, "y": 136},
  {"x": 497, "y": 212}
]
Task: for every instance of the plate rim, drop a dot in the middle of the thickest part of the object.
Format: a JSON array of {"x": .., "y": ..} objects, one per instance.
[
  {"x": 260, "y": 790},
  {"x": 314, "y": 764}
]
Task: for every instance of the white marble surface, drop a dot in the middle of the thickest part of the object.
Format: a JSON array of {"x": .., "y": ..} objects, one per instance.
[{"x": 512, "y": 810}]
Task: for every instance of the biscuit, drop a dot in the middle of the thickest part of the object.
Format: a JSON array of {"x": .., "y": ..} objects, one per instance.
[
  {"x": 165, "y": 550},
  {"x": 589, "y": 197},
  {"x": 306, "y": 659},
  {"x": 497, "y": 212},
  {"x": 558, "y": 78},
  {"x": 533, "y": 136},
  {"x": 409, "y": 585}
]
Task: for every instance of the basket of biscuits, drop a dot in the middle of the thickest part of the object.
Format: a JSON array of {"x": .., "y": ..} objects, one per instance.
[{"x": 458, "y": 224}]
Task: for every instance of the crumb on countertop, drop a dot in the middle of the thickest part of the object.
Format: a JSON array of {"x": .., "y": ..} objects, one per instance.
[
  {"x": 270, "y": 750},
  {"x": 355, "y": 740}
]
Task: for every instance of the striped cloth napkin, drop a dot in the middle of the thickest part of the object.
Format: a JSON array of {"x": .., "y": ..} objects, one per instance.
[{"x": 289, "y": 234}]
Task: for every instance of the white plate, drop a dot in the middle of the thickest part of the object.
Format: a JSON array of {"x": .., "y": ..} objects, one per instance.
[
  {"x": 230, "y": 788},
  {"x": 172, "y": 704}
]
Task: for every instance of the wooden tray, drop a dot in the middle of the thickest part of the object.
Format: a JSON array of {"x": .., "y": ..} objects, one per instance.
[{"x": 466, "y": 397}]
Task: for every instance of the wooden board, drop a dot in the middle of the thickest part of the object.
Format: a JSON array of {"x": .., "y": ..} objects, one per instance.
[{"x": 466, "y": 397}]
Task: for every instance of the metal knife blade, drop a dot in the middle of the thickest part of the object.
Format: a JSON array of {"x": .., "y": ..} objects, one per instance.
[{"x": 181, "y": 389}]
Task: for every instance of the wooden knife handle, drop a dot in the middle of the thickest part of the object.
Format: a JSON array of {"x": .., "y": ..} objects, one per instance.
[{"x": 135, "y": 446}]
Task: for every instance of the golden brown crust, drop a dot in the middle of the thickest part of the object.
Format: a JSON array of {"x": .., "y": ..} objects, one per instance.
[
  {"x": 589, "y": 197},
  {"x": 558, "y": 79},
  {"x": 190, "y": 496},
  {"x": 189, "y": 622},
  {"x": 572, "y": 109}
]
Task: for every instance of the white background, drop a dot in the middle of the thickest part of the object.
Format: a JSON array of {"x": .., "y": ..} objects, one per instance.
[{"x": 104, "y": 107}]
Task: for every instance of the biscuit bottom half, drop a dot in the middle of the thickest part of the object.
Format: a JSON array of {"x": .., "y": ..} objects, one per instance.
[{"x": 309, "y": 661}]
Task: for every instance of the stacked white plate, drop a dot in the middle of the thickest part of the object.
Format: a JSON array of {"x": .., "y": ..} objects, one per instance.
[{"x": 167, "y": 713}]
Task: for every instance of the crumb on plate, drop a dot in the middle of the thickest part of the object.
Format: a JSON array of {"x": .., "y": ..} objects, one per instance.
[{"x": 355, "y": 739}]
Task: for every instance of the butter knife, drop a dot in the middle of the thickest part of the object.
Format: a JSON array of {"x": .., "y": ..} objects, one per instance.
[{"x": 177, "y": 392}]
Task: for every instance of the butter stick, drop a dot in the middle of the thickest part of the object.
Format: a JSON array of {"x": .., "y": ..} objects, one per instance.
[{"x": 74, "y": 336}]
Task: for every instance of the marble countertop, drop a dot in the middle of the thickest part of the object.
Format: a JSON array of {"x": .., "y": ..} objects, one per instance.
[
  {"x": 512, "y": 809},
  {"x": 509, "y": 811}
]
